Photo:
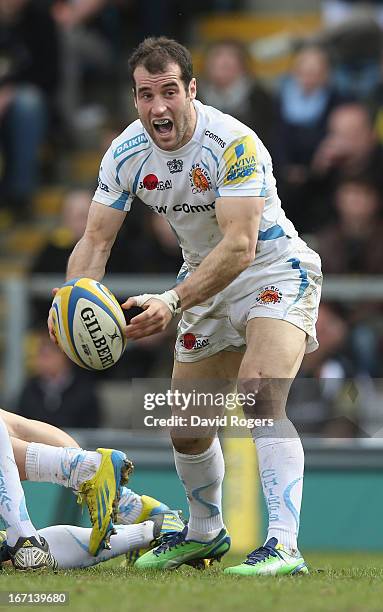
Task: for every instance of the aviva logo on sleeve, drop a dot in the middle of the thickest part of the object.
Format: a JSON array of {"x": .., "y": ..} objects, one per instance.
[{"x": 241, "y": 161}]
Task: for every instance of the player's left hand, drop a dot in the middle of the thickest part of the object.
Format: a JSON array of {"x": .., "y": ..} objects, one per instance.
[{"x": 155, "y": 318}]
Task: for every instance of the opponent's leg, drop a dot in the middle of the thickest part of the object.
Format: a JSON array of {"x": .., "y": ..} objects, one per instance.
[
  {"x": 70, "y": 545},
  {"x": 97, "y": 476},
  {"x": 35, "y": 431},
  {"x": 200, "y": 466},
  {"x": 132, "y": 508},
  {"x": 273, "y": 357},
  {"x": 27, "y": 550},
  {"x": 135, "y": 508},
  {"x": 12, "y": 500}
]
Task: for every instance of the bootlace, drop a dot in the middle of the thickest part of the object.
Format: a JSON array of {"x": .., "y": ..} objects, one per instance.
[
  {"x": 169, "y": 541},
  {"x": 261, "y": 554}
]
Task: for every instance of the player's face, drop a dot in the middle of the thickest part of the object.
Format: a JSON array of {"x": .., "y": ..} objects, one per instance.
[{"x": 164, "y": 107}]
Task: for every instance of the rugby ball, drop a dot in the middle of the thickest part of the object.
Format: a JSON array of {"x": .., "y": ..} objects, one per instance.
[{"x": 88, "y": 324}]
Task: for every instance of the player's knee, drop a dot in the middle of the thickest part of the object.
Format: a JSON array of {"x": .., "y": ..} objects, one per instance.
[
  {"x": 263, "y": 396},
  {"x": 191, "y": 446}
]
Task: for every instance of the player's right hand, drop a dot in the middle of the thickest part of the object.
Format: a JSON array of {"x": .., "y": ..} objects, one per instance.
[{"x": 50, "y": 320}]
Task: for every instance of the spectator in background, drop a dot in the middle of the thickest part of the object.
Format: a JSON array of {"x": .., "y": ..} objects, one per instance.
[
  {"x": 319, "y": 400},
  {"x": 353, "y": 243},
  {"x": 350, "y": 146},
  {"x": 228, "y": 85},
  {"x": 29, "y": 76},
  {"x": 337, "y": 12},
  {"x": 349, "y": 149},
  {"x": 53, "y": 257},
  {"x": 58, "y": 393},
  {"x": 305, "y": 100},
  {"x": 353, "y": 37},
  {"x": 90, "y": 36},
  {"x": 375, "y": 104}
]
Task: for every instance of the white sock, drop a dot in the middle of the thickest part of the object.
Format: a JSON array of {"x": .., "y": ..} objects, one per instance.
[
  {"x": 202, "y": 477},
  {"x": 69, "y": 544},
  {"x": 129, "y": 507},
  {"x": 13, "y": 509},
  {"x": 68, "y": 467},
  {"x": 281, "y": 466}
]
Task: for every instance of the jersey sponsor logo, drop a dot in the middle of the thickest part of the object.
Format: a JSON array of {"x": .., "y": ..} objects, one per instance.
[
  {"x": 102, "y": 185},
  {"x": 160, "y": 210},
  {"x": 150, "y": 182},
  {"x": 185, "y": 208},
  {"x": 216, "y": 138},
  {"x": 175, "y": 165},
  {"x": 269, "y": 295},
  {"x": 191, "y": 343},
  {"x": 130, "y": 144},
  {"x": 199, "y": 179},
  {"x": 193, "y": 208},
  {"x": 241, "y": 161}
]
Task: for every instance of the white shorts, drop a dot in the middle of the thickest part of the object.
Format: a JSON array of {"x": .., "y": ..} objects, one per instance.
[{"x": 289, "y": 290}]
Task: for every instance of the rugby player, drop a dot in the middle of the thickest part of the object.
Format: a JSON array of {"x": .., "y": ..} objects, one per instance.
[
  {"x": 67, "y": 546},
  {"x": 248, "y": 292},
  {"x": 40, "y": 440}
]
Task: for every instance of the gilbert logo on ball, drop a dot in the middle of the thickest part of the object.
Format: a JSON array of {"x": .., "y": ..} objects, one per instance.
[{"x": 88, "y": 323}]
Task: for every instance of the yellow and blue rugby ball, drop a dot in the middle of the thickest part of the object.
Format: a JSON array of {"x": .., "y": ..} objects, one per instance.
[{"x": 88, "y": 323}]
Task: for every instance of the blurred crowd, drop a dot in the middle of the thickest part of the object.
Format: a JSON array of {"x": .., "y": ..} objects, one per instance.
[{"x": 63, "y": 80}]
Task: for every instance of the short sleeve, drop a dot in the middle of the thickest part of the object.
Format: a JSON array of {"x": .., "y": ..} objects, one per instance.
[
  {"x": 109, "y": 190},
  {"x": 241, "y": 171}
]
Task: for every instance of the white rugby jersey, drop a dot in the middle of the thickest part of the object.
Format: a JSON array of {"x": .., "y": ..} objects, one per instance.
[{"x": 223, "y": 158}]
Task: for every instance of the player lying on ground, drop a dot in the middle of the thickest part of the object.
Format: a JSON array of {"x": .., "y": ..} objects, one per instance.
[
  {"x": 96, "y": 476},
  {"x": 142, "y": 519},
  {"x": 65, "y": 546},
  {"x": 69, "y": 465},
  {"x": 248, "y": 292}
]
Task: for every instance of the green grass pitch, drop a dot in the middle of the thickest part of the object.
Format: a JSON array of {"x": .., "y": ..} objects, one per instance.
[{"x": 338, "y": 582}]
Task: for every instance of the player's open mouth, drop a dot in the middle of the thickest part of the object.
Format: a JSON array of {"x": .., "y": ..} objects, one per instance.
[{"x": 163, "y": 126}]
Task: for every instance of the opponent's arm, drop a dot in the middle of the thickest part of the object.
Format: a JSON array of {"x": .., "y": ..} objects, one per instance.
[
  {"x": 239, "y": 220},
  {"x": 91, "y": 253}
]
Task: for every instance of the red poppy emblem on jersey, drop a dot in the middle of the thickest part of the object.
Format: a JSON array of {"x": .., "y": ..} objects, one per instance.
[
  {"x": 189, "y": 341},
  {"x": 150, "y": 181}
]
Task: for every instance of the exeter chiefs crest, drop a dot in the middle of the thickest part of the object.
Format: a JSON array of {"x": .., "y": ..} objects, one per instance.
[
  {"x": 269, "y": 295},
  {"x": 199, "y": 179}
]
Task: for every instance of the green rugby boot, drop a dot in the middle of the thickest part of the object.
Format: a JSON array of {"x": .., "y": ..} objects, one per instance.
[
  {"x": 175, "y": 550},
  {"x": 272, "y": 559},
  {"x": 165, "y": 523}
]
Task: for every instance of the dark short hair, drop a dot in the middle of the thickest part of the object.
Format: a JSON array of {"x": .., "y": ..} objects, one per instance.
[{"x": 155, "y": 54}]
